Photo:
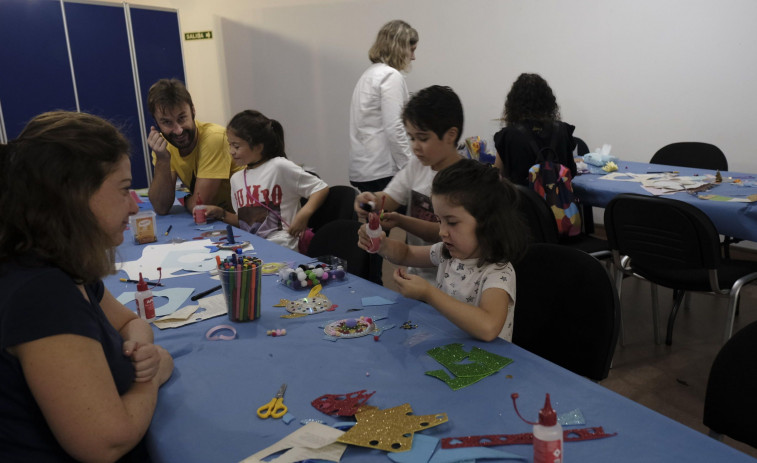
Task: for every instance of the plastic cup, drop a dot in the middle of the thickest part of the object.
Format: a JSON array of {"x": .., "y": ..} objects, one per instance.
[
  {"x": 241, "y": 290},
  {"x": 199, "y": 214}
]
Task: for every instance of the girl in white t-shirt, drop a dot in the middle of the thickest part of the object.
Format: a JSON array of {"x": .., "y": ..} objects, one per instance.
[
  {"x": 266, "y": 194},
  {"x": 481, "y": 235}
]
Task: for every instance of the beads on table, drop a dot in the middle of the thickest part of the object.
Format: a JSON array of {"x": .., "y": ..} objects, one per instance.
[
  {"x": 274, "y": 333},
  {"x": 309, "y": 275}
]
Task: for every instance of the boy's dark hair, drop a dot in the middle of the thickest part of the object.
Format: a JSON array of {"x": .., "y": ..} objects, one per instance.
[
  {"x": 168, "y": 94},
  {"x": 492, "y": 202},
  {"x": 436, "y": 108},
  {"x": 255, "y": 128}
]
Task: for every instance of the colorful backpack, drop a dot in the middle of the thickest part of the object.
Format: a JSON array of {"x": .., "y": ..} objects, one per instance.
[{"x": 552, "y": 181}]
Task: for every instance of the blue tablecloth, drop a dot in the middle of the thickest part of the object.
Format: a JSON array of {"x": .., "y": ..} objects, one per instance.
[
  {"x": 206, "y": 411},
  {"x": 736, "y": 219}
]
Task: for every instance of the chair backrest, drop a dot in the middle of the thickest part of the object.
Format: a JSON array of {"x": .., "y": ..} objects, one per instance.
[
  {"x": 566, "y": 309},
  {"x": 339, "y": 204},
  {"x": 730, "y": 403},
  {"x": 691, "y": 154},
  {"x": 581, "y": 147},
  {"x": 662, "y": 236},
  {"x": 537, "y": 216},
  {"x": 339, "y": 238}
]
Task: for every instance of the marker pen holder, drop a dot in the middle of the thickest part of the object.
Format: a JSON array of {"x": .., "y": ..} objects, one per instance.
[{"x": 241, "y": 285}]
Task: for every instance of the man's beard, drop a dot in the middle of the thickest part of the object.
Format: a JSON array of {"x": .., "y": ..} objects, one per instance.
[{"x": 182, "y": 141}]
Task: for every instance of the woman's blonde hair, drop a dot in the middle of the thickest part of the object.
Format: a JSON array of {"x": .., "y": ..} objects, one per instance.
[{"x": 392, "y": 43}]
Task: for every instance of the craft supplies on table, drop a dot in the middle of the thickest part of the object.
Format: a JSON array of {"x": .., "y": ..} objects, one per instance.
[
  {"x": 240, "y": 280},
  {"x": 275, "y": 408},
  {"x": 321, "y": 271},
  {"x": 142, "y": 226}
]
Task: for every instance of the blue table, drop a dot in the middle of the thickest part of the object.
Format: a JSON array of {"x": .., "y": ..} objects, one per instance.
[
  {"x": 206, "y": 411},
  {"x": 735, "y": 219}
]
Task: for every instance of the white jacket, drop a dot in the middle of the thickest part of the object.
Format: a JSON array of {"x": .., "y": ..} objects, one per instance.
[{"x": 379, "y": 146}]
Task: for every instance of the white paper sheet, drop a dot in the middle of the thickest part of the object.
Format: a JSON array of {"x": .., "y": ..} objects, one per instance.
[{"x": 312, "y": 441}]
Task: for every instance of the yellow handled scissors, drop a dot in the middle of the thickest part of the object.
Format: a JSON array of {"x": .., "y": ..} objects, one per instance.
[{"x": 275, "y": 408}]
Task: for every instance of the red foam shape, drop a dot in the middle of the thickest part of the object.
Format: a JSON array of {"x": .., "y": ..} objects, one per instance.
[
  {"x": 341, "y": 404},
  {"x": 569, "y": 435}
]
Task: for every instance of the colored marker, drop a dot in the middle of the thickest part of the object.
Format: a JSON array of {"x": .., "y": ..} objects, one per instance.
[
  {"x": 229, "y": 235},
  {"x": 205, "y": 293},
  {"x": 169, "y": 230}
]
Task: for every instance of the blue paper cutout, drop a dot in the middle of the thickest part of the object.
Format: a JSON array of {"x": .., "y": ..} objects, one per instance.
[
  {"x": 573, "y": 417},
  {"x": 471, "y": 454},
  {"x": 176, "y": 298},
  {"x": 421, "y": 451},
  {"x": 376, "y": 300}
]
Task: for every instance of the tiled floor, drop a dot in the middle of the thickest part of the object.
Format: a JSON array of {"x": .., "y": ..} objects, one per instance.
[{"x": 668, "y": 379}]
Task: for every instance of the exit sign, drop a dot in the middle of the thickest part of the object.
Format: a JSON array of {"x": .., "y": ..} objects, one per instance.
[{"x": 198, "y": 35}]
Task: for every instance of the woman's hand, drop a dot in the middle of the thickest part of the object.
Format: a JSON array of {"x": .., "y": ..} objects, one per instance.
[
  {"x": 214, "y": 212},
  {"x": 149, "y": 360},
  {"x": 411, "y": 286}
]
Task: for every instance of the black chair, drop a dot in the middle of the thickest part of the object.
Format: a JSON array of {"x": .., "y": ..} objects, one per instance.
[
  {"x": 697, "y": 155},
  {"x": 691, "y": 154},
  {"x": 339, "y": 204},
  {"x": 581, "y": 147},
  {"x": 730, "y": 403},
  {"x": 339, "y": 238},
  {"x": 567, "y": 309},
  {"x": 540, "y": 220},
  {"x": 673, "y": 244}
]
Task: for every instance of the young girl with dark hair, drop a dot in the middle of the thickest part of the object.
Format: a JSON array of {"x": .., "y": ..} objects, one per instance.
[
  {"x": 266, "y": 194},
  {"x": 481, "y": 235}
]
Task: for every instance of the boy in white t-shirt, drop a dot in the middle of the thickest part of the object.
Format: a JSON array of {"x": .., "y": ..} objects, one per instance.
[{"x": 433, "y": 118}]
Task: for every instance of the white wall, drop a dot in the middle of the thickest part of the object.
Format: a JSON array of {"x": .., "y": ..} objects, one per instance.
[{"x": 637, "y": 74}]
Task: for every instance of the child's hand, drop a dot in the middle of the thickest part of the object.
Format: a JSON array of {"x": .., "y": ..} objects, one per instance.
[
  {"x": 145, "y": 358},
  {"x": 364, "y": 241},
  {"x": 214, "y": 212},
  {"x": 411, "y": 286},
  {"x": 390, "y": 220},
  {"x": 363, "y": 198},
  {"x": 298, "y": 225}
]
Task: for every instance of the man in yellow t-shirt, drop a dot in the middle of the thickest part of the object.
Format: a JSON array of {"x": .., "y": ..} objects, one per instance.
[{"x": 196, "y": 152}]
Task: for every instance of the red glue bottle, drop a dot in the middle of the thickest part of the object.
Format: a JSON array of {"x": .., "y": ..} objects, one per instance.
[
  {"x": 548, "y": 434},
  {"x": 145, "y": 304},
  {"x": 199, "y": 212},
  {"x": 374, "y": 232}
]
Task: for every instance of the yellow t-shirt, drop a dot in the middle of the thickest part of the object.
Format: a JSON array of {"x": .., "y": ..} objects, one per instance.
[{"x": 209, "y": 159}]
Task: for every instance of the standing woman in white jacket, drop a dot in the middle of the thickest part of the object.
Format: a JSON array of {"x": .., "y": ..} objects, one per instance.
[{"x": 379, "y": 147}]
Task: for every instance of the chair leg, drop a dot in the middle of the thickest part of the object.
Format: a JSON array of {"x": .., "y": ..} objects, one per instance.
[
  {"x": 687, "y": 301},
  {"x": 655, "y": 314},
  {"x": 678, "y": 295},
  {"x": 618, "y": 286},
  {"x": 733, "y": 303}
]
